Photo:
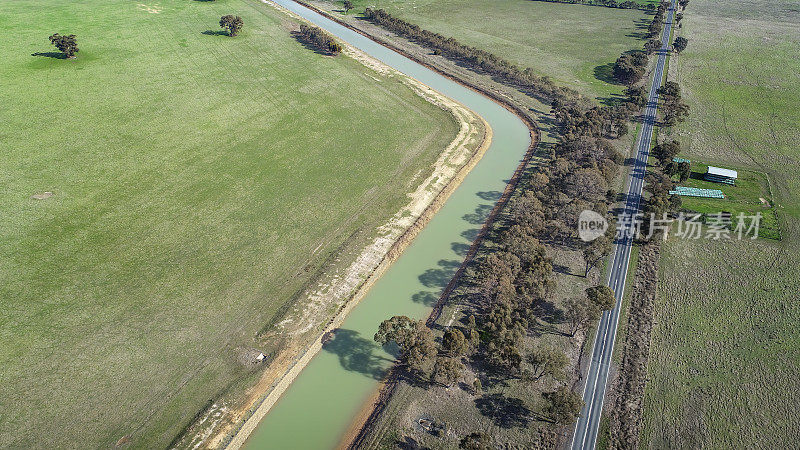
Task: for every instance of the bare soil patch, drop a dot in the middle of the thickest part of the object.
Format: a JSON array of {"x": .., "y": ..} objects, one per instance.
[{"x": 42, "y": 196}]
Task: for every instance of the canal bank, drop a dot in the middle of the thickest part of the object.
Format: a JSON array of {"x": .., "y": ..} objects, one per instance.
[{"x": 319, "y": 406}]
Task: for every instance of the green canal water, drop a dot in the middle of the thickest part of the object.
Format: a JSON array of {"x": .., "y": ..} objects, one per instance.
[{"x": 317, "y": 409}]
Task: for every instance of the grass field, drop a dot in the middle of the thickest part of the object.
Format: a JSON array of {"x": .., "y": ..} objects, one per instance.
[
  {"x": 199, "y": 182},
  {"x": 750, "y": 195},
  {"x": 723, "y": 367},
  {"x": 573, "y": 44}
]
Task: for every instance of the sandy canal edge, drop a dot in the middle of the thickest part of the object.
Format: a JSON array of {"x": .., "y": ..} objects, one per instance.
[
  {"x": 372, "y": 407},
  {"x": 396, "y": 250},
  {"x": 287, "y": 361},
  {"x": 380, "y": 396}
]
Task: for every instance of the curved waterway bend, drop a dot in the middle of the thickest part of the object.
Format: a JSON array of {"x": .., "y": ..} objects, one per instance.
[{"x": 317, "y": 409}]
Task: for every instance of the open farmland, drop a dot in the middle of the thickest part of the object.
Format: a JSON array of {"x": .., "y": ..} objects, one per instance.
[
  {"x": 199, "y": 182},
  {"x": 750, "y": 195},
  {"x": 723, "y": 368},
  {"x": 572, "y": 44},
  {"x": 723, "y": 362}
]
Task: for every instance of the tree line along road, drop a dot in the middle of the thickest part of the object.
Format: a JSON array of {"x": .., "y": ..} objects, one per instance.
[{"x": 585, "y": 436}]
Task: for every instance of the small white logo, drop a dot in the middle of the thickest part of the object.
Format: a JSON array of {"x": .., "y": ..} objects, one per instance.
[{"x": 591, "y": 225}]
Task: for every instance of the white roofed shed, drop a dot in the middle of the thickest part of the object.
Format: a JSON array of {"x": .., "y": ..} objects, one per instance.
[
  {"x": 720, "y": 172},
  {"x": 720, "y": 175}
]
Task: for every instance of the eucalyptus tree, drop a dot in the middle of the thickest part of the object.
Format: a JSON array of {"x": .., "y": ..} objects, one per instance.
[
  {"x": 66, "y": 44},
  {"x": 231, "y": 23}
]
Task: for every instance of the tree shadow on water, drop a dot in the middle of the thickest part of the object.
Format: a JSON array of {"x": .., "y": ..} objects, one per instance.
[
  {"x": 470, "y": 234},
  {"x": 460, "y": 248},
  {"x": 438, "y": 278},
  {"x": 356, "y": 353},
  {"x": 427, "y": 298},
  {"x": 478, "y": 217},
  {"x": 490, "y": 195}
]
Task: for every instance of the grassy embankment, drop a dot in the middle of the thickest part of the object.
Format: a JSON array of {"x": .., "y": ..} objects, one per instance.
[
  {"x": 575, "y": 45},
  {"x": 723, "y": 369},
  {"x": 199, "y": 182}
]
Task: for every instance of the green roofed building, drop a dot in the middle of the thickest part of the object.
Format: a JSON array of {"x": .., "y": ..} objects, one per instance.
[{"x": 696, "y": 192}]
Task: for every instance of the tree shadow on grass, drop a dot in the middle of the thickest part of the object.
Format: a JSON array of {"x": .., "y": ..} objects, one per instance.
[
  {"x": 642, "y": 26},
  {"x": 215, "y": 33},
  {"x": 408, "y": 443},
  {"x": 356, "y": 353},
  {"x": 562, "y": 269},
  {"x": 605, "y": 73},
  {"x": 505, "y": 412},
  {"x": 640, "y": 35},
  {"x": 56, "y": 55},
  {"x": 697, "y": 176},
  {"x": 546, "y": 120},
  {"x": 548, "y": 312},
  {"x": 298, "y": 36},
  {"x": 612, "y": 100}
]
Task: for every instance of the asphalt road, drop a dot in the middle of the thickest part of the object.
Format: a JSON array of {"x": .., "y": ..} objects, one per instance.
[{"x": 585, "y": 436}]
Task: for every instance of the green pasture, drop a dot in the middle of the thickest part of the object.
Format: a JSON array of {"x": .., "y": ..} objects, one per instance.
[
  {"x": 750, "y": 195},
  {"x": 199, "y": 182},
  {"x": 573, "y": 44},
  {"x": 723, "y": 367}
]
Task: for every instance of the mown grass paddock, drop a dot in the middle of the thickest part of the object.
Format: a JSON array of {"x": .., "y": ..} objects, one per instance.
[
  {"x": 198, "y": 181},
  {"x": 575, "y": 45},
  {"x": 723, "y": 360},
  {"x": 750, "y": 195},
  {"x": 723, "y": 368}
]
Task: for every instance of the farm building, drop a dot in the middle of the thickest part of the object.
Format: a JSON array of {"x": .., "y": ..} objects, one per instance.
[{"x": 720, "y": 175}]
